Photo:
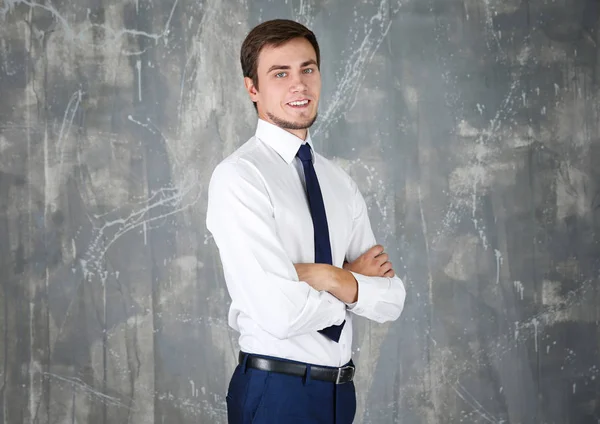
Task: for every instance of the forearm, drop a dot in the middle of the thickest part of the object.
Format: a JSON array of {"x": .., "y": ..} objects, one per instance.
[
  {"x": 344, "y": 286},
  {"x": 323, "y": 277},
  {"x": 381, "y": 298}
]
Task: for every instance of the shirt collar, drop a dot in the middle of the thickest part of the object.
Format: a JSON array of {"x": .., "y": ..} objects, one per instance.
[{"x": 284, "y": 143}]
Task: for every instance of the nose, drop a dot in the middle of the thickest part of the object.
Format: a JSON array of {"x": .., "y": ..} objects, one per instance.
[{"x": 298, "y": 84}]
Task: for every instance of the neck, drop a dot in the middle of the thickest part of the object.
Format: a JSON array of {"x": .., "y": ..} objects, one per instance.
[{"x": 301, "y": 134}]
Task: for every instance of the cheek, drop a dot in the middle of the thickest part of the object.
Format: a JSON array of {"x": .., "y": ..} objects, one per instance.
[
  {"x": 278, "y": 96},
  {"x": 315, "y": 89},
  {"x": 273, "y": 94}
]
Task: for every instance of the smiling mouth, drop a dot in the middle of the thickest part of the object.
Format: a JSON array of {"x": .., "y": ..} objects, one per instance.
[{"x": 299, "y": 104}]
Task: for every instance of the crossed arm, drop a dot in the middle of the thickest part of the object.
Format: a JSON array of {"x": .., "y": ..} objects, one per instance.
[
  {"x": 283, "y": 298},
  {"x": 340, "y": 282}
]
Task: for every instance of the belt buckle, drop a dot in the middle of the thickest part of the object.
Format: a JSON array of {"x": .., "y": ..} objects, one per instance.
[{"x": 341, "y": 372}]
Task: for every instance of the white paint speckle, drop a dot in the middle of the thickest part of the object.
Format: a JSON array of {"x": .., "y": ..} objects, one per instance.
[
  {"x": 498, "y": 264},
  {"x": 519, "y": 287},
  {"x": 138, "y": 66},
  {"x": 535, "y": 332}
]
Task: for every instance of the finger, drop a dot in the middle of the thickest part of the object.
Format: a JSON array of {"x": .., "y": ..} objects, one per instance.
[
  {"x": 385, "y": 267},
  {"x": 389, "y": 274},
  {"x": 375, "y": 250},
  {"x": 383, "y": 258}
]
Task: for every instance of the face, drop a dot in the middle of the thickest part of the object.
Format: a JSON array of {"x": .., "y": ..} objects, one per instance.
[{"x": 289, "y": 86}]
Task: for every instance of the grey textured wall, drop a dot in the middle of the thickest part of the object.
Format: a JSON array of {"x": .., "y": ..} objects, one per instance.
[{"x": 471, "y": 126}]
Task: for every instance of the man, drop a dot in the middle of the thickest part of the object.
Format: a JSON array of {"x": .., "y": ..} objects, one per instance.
[{"x": 298, "y": 252}]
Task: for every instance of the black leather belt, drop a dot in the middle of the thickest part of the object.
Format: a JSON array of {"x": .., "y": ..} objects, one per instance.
[{"x": 339, "y": 375}]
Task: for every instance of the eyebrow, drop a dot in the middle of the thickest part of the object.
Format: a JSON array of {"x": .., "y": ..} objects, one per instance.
[{"x": 284, "y": 67}]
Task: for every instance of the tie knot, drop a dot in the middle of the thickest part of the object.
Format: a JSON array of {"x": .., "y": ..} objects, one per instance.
[{"x": 304, "y": 153}]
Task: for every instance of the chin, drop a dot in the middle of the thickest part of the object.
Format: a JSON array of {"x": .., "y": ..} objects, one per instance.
[
  {"x": 292, "y": 122},
  {"x": 306, "y": 122}
]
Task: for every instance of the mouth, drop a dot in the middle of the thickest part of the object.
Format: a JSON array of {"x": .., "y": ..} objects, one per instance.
[{"x": 299, "y": 104}]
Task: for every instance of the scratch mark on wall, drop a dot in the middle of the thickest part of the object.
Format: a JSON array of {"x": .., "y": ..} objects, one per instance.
[
  {"x": 473, "y": 403},
  {"x": 77, "y": 383},
  {"x": 344, "y": 98},
  {"x": 71, "y": 34}
]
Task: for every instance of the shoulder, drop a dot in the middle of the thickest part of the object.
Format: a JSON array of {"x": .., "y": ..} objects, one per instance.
[
  {"x": 240, "y": 166},
  {"x": 245, "y": 152},
  {"x": 338, "y": 169}
]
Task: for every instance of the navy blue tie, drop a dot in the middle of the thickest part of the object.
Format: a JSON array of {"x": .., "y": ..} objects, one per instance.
[{"x": 321, "y": 229}]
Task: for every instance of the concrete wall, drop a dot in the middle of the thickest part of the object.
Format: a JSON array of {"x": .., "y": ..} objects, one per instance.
[{"x": 471, "y": 127}]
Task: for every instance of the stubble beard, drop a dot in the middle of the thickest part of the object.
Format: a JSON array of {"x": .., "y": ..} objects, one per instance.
[{"x": 288, "y": 125}]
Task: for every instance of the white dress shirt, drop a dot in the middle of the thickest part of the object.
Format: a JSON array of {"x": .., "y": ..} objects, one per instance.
[{"x": 259, "y": 217}]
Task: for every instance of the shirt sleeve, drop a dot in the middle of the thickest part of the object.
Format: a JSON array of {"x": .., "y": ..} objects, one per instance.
[
  {"x": 380, "y": 299},
  {"x": 260, "y": 277}
]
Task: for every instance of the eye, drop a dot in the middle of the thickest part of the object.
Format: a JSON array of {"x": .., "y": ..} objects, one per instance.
[
  {"x": 280, "y": 74},
  {"x": 309, "y": 70}
]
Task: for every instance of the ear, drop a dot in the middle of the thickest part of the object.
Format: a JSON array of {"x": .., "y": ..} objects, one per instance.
[{"x": 251, "y": 89}]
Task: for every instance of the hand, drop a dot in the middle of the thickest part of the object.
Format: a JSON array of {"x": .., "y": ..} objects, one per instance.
[{"x": 373, "y": 263}]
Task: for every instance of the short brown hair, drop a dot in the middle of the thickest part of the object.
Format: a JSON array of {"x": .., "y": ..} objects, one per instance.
[{"x": 272, "y": 33}]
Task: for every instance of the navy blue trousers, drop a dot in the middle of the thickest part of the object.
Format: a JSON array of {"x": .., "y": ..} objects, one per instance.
[{"x": 261, "y": 397}]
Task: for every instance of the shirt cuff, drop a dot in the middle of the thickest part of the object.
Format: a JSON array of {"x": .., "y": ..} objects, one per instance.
[{"x": 366, "y": 294}]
